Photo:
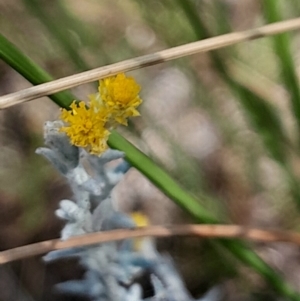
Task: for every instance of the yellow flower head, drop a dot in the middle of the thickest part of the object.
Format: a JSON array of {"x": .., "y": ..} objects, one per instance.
[
  {"x": 140, "y": 219},
  {"x": 89, "y": 127},
  {"x": 119, "y": 95},
  {"x": 86, "y": 126}
]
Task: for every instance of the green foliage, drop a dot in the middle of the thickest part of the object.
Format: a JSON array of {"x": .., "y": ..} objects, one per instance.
[{"x": 282, "y": 48}]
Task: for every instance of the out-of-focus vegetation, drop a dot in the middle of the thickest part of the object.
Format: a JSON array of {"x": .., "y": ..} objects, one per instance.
[{"x": 224, "y": 124}]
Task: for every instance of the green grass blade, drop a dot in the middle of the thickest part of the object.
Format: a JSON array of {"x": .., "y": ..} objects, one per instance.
[
  {"x": 31, "y": 71},
  {"x": 60, "y": 34},
  {"x": 11, "y": 55},
  {"x": 245, "y": 254},
  {"x": 282, "y": 47},
  {"x": 161, "y": 179},
  {"x": 261, "y": 114}
]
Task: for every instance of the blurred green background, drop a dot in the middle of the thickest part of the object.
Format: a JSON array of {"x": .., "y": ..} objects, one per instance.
[{"x": 224, "y": 124}]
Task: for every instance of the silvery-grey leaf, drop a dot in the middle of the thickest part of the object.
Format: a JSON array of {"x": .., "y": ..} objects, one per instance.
[
  {"x": 61, "y": 254},
  {"x": 53, "y": 158}
]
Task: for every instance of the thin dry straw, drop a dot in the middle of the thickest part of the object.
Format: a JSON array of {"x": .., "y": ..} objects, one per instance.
[
  {"x": 147, "y": 60},
  {"x": 208, "y": 231}
]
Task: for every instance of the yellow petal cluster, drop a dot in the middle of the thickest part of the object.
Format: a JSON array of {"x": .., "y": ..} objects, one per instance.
[
  {"x": 140, "y": 219},
  {"x": 120, "y": 94},
  {"x": 86, "y": 126},
  {"x": 89, "y": 126}
]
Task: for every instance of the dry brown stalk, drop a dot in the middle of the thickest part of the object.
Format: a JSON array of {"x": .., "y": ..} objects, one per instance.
[
  {"x": 208, "y": 231},
  {"x": 147, "y": 60}
]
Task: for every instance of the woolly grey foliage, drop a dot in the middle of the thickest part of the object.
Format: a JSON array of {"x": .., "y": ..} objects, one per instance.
[
  {"x": 61, "y": 154},
  {"x": 113, "y": 270}
]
